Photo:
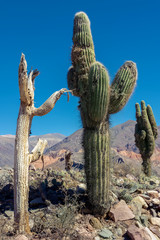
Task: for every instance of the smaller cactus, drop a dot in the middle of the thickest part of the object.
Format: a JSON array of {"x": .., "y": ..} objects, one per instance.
[{"x": 145, "y": 134}]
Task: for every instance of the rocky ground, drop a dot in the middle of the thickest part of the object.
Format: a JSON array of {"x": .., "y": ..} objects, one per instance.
[{"x": 58, "y": 209}]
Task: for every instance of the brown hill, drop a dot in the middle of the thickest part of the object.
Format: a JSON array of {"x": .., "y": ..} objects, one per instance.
[{"x": 122, "y": 143}]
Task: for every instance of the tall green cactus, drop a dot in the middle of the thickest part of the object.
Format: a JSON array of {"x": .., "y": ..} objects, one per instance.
[
  {"x": 145, "y": 134},
  {"x": 89, "y": 80}
]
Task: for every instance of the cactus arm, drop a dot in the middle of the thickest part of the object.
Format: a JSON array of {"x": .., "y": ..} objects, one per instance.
[
  {"x": 122, "y": 86},
  {"x": 49, "y": 104},
  {"x": 152, "y": 121},
  {"x": 98, "y": 92},
  {"x": 147, "y": 127},
  {"x": 138, "y": 114},
  {"x": 38, "y": 150}
]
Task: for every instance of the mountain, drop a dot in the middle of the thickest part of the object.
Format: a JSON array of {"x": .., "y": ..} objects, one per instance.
[
  {"x": 7, "y": 146},
  {"x": 122, "y": 144},
  {"x": 122, "y": 139}
]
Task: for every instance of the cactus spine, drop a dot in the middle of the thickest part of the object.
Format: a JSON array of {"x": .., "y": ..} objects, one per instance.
[
  {"x": 89, "y": 80},
  {"x": 145, "y": 134}
]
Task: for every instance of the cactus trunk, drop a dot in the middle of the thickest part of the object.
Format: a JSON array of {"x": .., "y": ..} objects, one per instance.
[
  {"x": 21, "y": 164},
  {"x": 146, "y": 166},
  {"x": 97, "y": 167}
]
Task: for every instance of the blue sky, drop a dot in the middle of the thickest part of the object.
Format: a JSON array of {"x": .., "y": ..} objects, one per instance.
[{"x": 122, "y": 30}]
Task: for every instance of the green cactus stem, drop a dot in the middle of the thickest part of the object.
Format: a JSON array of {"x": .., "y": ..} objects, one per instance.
[
  {"x": 122, "y": 86},
  {"x": 89, "y": 80},
  {"x": 145, "y": 134}
]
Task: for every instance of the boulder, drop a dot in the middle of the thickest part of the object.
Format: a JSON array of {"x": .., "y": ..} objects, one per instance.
[
  {"x": 136, "y": 233},
  {"x": 155, "y": 221},
  {"x": 121, "y": 212}
]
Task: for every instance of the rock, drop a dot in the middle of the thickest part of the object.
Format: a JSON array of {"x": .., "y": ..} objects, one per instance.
[
  {"x": 155, "y": 221},
  {"x": 121, "y": 212},
  {"x": 95, "y": 223},
  {"x": 6, "y": 177},
  {"x": 153, "y": 212},
  {"x": 152, "y": 236},
  {"x": 120, "y": 182},
  {"x": 21, "y": 237},
  {"x": 10, "y": 214},
  {"x": 36, "y": 202},
  {"x": 105, "y": 233},
  {"x": 97, "y": 238},
  {"x": 81, "y": 188},
  {"x": 136, "y": 207},
  {"x": 145, "y": 196},
  {"x": 155, "y": 201},
  {"x": 119, "y": 232},
  {"x": 131, "y": 177},
  {"x": 136, "y": 233},
  {"x": 141, "y": 201},
  {"x": 153, "y": 194},
  {"x": 31, "y": 223},
  {"x": 155, "y": 230}
]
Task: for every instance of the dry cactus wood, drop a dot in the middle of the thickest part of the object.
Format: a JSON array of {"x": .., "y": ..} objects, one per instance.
[
  {"x": 37, "y": 152},
  {"x": 22, "y": 158}
]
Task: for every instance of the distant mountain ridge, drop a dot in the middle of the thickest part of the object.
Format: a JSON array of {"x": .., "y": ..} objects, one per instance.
[
  {"x": 7, "y": 146},
  {"x": 122, "y": 141}
]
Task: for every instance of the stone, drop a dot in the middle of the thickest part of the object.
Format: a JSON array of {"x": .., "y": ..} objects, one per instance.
[
  {"x": 153, "y": 212},
  {"x": 136, "y": 233},
  {"x": 81, "y": 188},
  {"x": 120, "y": 181},
  {"x": 121, "y": 212},
  {"x": 136, "y": 207},
  {"x": 21, "y": 237},
  {"x": 105, "y": 233},
  {"x": 95, "y": 223},
  {"x": 140, "y": 200},
  {"x": 10, "y": 214},
  {"x": 36, "y": 202},
  {"x": 145, "y": 196},
  {"x": 155, "y": 221},
  {"x": 97, "y": 238},
  {"x": 31, "y": 223},
  {"x": 152, "y": 236},
  {"x": 119, "y": 232},
  {"x": 155, "y": 230},
  {"x": 153, "y": 194},
  {"x": 131, "y": 177},
  {"x": 156, "y": 201}
]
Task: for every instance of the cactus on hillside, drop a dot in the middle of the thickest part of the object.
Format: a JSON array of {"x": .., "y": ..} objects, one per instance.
[
  {"x": 89, "y": 80},
  {"x": 145, "y": 134}
]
